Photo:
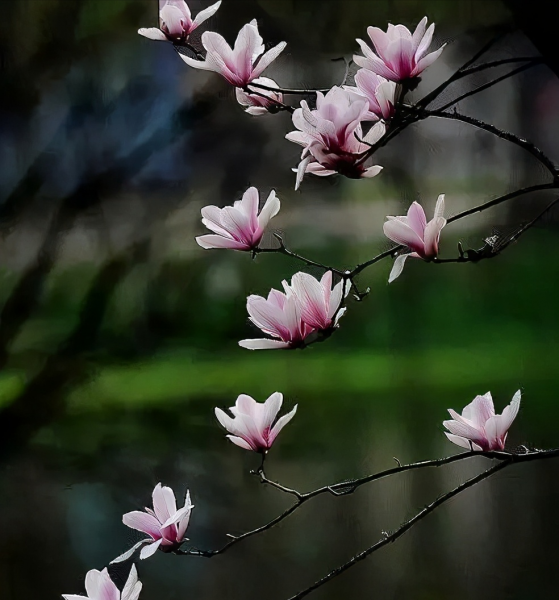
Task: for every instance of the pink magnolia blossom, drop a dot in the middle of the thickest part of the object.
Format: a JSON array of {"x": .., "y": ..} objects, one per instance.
[
  {"x": 479, "y": 428},
  {"x": 238, "y": 227},
  {"x": 307, "y": 306},
  {"x": 414, "y": 232},
  {"x": 399, "y": 54},
  {"x": 251, "y": 425},
  {"x": 320, "y": 303},
  {"x": 279, "y": 316},
  {"x": 264, "y": 101},
  {"x": 165, "y": 525},
  {"x": 331, "y": 135},
  {"x": 176, "y": 21},
  {"x": 380, "y": 93},
  {"x": 99, "y": 586},
  {"x": 241, "y": 64}
]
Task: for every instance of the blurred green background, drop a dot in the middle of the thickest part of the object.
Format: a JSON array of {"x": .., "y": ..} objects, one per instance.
[{"x": 118, "y": 334}]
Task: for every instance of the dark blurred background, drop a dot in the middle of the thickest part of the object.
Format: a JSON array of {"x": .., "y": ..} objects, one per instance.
[{"x": 118, "y": 334}]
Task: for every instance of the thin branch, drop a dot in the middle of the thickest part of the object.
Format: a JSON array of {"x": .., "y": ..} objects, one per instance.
[
  {"x": 389, "y": 539},
  {"x": 489, "y": 84},
  {"x": 344, "y": 488},
  {"x": 504, "y": 135},
  {"x": 281, "y": 249},
  {"x": 278, "y": 103}
]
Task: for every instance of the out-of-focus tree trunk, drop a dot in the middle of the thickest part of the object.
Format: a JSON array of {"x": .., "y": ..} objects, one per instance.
[{"x": 536, "y": 21}]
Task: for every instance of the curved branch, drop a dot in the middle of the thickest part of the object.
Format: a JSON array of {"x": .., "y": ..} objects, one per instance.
[{"x": 389, "y": 539}]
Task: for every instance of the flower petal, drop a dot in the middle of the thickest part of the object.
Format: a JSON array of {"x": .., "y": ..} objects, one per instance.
[
  {"x": 205, "y": 14},
  {"x": 150, "y": 550},
  {"x": 153, "y": 33},
  {"x": 264, "y": 344},
  {"x": 397, "y": 267},
  {"x": 143, "y": 522}
]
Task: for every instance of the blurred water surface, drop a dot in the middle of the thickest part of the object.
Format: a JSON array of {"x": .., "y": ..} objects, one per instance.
[{"x": 118, "y": 334}]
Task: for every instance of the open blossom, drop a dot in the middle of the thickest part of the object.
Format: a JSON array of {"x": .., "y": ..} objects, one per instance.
[
  {"x": 241, "y": 64},
  {"x": 238, "y": 227},
  {"x": 399, "y": 54},
  {"x": 320, "y": 303},
  {"x": 413, "y": 231},
  {"x": 380, "y": 93},
  {"x": 478, "y": 427},
  {"x": 251, "y": 425},
  {"x": 263, "y": 102},
  {"x": 307, "y": 306},
  {"x": 279, "y": 316},
  {"x": 165, "y": 525},
  {"x": 331, "y": 135},
  {"x": 176, "y": 21},
  {"x": 99, "y": 586}
]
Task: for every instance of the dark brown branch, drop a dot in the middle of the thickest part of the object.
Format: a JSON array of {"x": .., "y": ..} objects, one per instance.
[
  {"x": 504, "y": 135},
  {"x": 344, "y": 488},
  {"x": 490, "y": 84},
  {"x": 391, "y": 538}
]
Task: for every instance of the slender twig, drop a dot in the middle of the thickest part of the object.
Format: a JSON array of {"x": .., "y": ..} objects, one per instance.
[
  {"x": 281, "y": 249},
  {"x": 344, "y": 488},
  {"x": 504, "y": 135},
  {"x": 489, "y": 84},
  {"x": 391, "y": 538}
]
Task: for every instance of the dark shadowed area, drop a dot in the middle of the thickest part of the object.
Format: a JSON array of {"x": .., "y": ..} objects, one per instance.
[{"x": 118, "y": 333}]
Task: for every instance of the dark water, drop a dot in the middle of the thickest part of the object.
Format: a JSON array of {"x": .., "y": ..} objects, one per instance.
[{"x": 118, "y": 335}]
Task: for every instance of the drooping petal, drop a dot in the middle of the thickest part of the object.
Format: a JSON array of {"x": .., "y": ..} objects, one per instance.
[
  {"x": 397, "y": 267},
  {"x": 153, "y": 33},
  {"x": 463, "y": 442},
  {"x": 372, "y": 171},
  {"x": 131, "y": 552},
  {"x": 240, "y": 442},
  {"x": 264, "y": 344},
  {"x": 150, "y": 549}
]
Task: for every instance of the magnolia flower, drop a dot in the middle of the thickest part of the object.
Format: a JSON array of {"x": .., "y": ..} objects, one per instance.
[
  {"x": 279, "y": 316},
  {"x": 164, "y": 524},
  {"x": 99, "y": 586},
  {"x": 320, "y": 304},
  {"x": 263, "y": 102},
  {"x": 399, "y": 53},
  {"x": 176, "y": 21},
  {"x": 479, "y": 428},
  {"x": 380, "y": 93},
  {"x": 331, "y": 135},
  {"x": 239, "y": 65},
  {"x": 251, "y": 425},
  {"x": 414, "y": 232},
  {"x": 307, "y": 306},
  {"x": 238, "y": 227}
]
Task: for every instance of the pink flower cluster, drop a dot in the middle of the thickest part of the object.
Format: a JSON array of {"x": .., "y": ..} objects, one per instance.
[
  {"x": 306, "y": 306},
  {"x": 332, "y": 137}
]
